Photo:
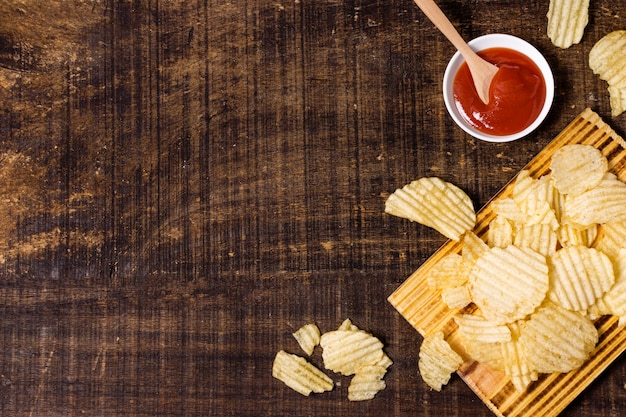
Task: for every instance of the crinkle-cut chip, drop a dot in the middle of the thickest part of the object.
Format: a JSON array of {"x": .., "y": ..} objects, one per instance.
[
  {"x": 437, "y": 361},
  {"x": 579, "y": 276},
  {"x": 449, "y": 271},
  {"x": 308, "y": 336},
  {"x": 489, "y": 354},
  {"x": 508, "y": 208},
  {"x": 477, "y": 328},
  {"x": 299, "y": 374},
  {"x": 500, "y": 232},
  {"x": 508, "y": 284},
  {"x": 611, "y": 238},
  {"x": 385, "y": 361},
  {"x": 515, "y": 365},
  {"x": 613, "y": 302},
  {"x": 555, "y": 339},
  {"x": 571, "y": 235},
  {"x": 527, "y": 189},
  {"x": 456, "y": 297},
  {"x": 538, "y": 237},
  {"x": 602, "y": 204},
  {"x": 577, "y": 168},
  {"x": 617, "y": 100},
  {"x": 348, "y": 325},
  {"x": 366, "y": 383},
  {"x": 567, "y": 20},
  {"x": 346, "y": 351},
  {"x": 473, "y": 248},
  {"x": 434, "y": 203}
]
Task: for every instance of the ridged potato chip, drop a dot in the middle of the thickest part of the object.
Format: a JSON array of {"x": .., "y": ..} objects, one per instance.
[
  {"x": 603, "y": 203},
  {"x": 611, "y": 238},
  {"x": 346, "y": 351},
  {"x": 555, "y": 339},
  {"x": 607, "y": 59},
  {"x": 579, "y": 276},
  {"x": 571, "y": 235},
  {"x": 508, "y": 284},
  {"x": 478, "y": 329},
  {"x": 538, "y": 237},
  {"x": 456, "y": 297},
  {"x": 577, "y": 168},
  {"x": 308, "y": 336},
  {"x": 366, "y": 383},
  {"x": 448, "y": 272},
  {"x": 348, "y": 325},
  {"x": 434, "y": 203},
  {"x": 500, "y": 232},
  {"x": 613, "y": 302},
  {"x": 473, "y": 248},
  {"x": 437, "y": 361},
  {"x": 567, "y": 20},
  {"x": 299, "y": 374},
  {"x": 516, "y": 366}
]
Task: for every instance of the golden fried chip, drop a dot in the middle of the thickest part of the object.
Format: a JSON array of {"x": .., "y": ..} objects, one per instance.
[
  {"x": 500, "y": 232},
  {"x": 308, "y": 336},
  {"x": 612, "y": 238},
  {"x": 473, "y": 248},
  {"x": 538, "y": 237},
  {"x": 508, "y": 208},
  {"x": 456, "y": 297},
  {"x": 515, "y": 364},
  {"x": 448, "y": 272},
  {"x": 437, "y": 361},
  {"x": 366, "y": 383},
  {"x": 299, "y": 374},
  {"x": 577, "y": 168},
  {"x": 572, "y": 235},
  {"x": 480, "y": 330},
  {"x": 348, "y": 325},
  {"x": 508, "y": 284},
  {"x": 613, "y": 302},
  {"x": 434, "y": 203},
  {"x": 579, "y": 276},
  {"x": 489, "y": 354},
  {"x": 346, "y": 351},
  {"x": 567, "y": 20},
  {"x": 604, "y": 203},
  {"x": 555, "y": 339},
  {"x": 607, "y": 59}
]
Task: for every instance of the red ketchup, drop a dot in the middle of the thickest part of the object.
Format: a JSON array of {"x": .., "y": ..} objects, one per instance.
[{"x": 516, "y": 96}]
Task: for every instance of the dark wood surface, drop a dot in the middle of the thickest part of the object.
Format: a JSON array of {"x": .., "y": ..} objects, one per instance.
[{"x": 185, "y": 183}]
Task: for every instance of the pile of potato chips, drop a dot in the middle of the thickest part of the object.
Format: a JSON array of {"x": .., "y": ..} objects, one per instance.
[
  {"x": 348, "y": 351},
  {"x": 567, "y": 20},
  {"x": 552, "y": 261}
]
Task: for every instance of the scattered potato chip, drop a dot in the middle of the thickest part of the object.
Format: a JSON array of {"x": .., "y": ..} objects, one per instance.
[
  {"x": 577, "y": 168},
  {"x": 508, "y": 284},
  {"x": 348, "y": 325},
  {"x": 555, "y": 339},
  {"x": 602, "y": 204},
  {"x": 538, "y": 237},
  {"x": 346, "y": 351},
  {"x": 607, "y": 59},
  {"x": 612, "y": 238},
  {"x": 571, "y": 235},
  {"x": 434, "y": 203},
  {"x": 579, "y": 276},
  {"x": 613, "y": 302},
  {"x": 473, "y": 248},
  {"x": 299, "y": 374},
  {"x": 489, "y": 354},
  {"x": 308, "y": 336},
  {"x": 456, "y": 297},
  {"x": 448, "y": 272},
  {"x": 500, "y": 232},
  {"x": 437, "y": 361},
  {"x": 366, "y": 383},
  {"x": 480, "y": 330},
  {"x": 567, "y": 20},
  {"x": 508, "y": 208}
]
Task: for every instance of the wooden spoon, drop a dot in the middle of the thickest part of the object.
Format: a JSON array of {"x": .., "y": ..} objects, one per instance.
[{"x": 481, "y": 70}]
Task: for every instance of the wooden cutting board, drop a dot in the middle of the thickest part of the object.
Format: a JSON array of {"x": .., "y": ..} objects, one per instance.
[{"x": 422, "y": 307}]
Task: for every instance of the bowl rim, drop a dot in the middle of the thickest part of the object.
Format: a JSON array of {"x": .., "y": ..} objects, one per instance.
[{"x": 498, "y": 40}]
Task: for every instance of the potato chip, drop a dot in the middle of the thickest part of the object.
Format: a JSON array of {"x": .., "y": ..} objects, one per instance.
[
  {"x": 508, "y": 208},
  {"x": 555, "y": 339},
  {"x": 473, "y": 248},
  {"x": 613, "y": 302},
  {"x": 437, "y": 361},
  {"x": 448, "y": 272},
  {"x": 607, "y": 59},
  {"x": 478, "y": 329},
  {"x": 489, "y": 354},
  {"x": 516, "y": 366},
  {"x": 348, "y": 325},
  {"x": 434, "y": 203},
  {"x": 500, "y": 232},
  {"x": 572, "y": 235},
  {"x": 346, "y": 351},
  {"x": 538, "y": 237},
  {"x": 299, "y": 374},
  {"x": 602, "y": 204},
  {"x": 308, "y": 336},
  {"x": 366, "y": 383},
  {"x": 567, "y": 20},
  {"x": 456, "y": 297},
  {"x": 508, "y": 284},
  {"x": 612, "y": 238},
  {"x": 579, "y": 276},
  {"x": 577, "y": 168}
]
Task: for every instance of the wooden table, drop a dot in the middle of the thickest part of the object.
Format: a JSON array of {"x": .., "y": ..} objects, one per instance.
[{"x": 185, "y": 183}]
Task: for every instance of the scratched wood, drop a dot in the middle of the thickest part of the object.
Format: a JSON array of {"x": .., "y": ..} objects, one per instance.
[{"x": 185, "y": 183}]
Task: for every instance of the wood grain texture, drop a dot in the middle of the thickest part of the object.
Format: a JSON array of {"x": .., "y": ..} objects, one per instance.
[{"x": 185, "y": 183}]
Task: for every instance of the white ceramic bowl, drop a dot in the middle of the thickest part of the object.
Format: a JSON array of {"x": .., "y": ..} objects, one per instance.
[{"x": 498, "y": 40}]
